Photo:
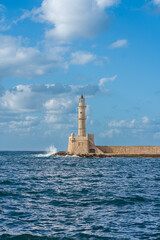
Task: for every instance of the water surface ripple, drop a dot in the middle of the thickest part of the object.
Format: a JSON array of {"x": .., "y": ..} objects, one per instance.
[{"x": 76, "y": 198}]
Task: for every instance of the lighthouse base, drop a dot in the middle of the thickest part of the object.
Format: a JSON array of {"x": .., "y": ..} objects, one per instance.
[{"x": 82, "y": 145}]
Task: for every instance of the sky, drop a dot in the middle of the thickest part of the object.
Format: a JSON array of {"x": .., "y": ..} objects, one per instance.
[{"x": 52, "y": 51}]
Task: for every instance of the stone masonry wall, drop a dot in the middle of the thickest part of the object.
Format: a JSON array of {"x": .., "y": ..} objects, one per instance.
[
  {"x": 78, "y": 145},
  {"x": 130, "y": 149}
]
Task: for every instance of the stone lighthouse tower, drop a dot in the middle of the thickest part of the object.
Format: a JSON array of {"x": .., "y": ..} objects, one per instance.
[
  {"x": 82, "y": 117},
  {"x": 84, "y": 143}
]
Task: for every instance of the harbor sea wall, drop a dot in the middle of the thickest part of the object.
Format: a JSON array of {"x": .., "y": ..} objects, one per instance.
[{"x": 130, "y": 149}]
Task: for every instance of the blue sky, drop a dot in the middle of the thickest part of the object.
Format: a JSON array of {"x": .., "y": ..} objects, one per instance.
[{"x": 51, "y": 51}]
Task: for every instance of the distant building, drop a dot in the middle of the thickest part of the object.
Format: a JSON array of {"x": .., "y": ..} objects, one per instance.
[{"x": 84, "y": 144}]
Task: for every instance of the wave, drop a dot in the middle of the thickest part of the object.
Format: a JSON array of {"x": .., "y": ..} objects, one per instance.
[
  {"x": 70, "y": 156},
  {"x": 25, "y": 237},
  {"x": 77, "y": 236},
  {"x": 49, "y": 151}
]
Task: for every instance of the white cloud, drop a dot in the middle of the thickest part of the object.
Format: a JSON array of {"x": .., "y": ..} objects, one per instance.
[
  {"x": 102, "y": 84},
  {"x": 74, "y": 19},
  {"x": 49, "y": 118},
  {"x": 156, "y": 2},
  {"x": 59, "y": 105},
  {"x": 28, "y": 121},
  {"x": 145, "y": 119},
  {"x": 122, "y": 123},
  {"x": 108, "y": 3},
  {"x": 80, "y": 57},
  {"x": 32, "y": 98},
  {"x": 110, "y": 133},
  {"x": 17, "y": 60},
  {"x": 18, "y": 100},
  {"x": 133, "y": 124},
  {"x": 83, "y": 57},
  {"x": 133, "y": 128},
  {"x": 3, "y": 21},
  {"x": 52, "y": 97},
  {"x": 54, "y": 104},
  {"x": 102, "y": 81},
  {"x": 119, "y": 43},
  {"x": 60, "y": 111},
  {"x": 20, "y": 124}
]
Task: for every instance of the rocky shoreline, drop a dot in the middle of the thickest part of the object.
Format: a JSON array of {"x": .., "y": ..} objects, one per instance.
[{"x": 105, "y": 155}]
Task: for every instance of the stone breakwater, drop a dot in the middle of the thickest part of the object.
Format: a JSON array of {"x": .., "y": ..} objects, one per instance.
[
  {"x": 93, "y": 155},
  {"x": 130, "y": 149}
]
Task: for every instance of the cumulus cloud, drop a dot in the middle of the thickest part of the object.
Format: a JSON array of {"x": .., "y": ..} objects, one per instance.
[
  {"x": 122, "y": 123},
  {"x": 20, "y": 124},
  {"x": 156, "y": 2},
  {"x": 81, "y": 58},
  {"x": 145, "y": 119},
  {"x": 74, "y": 19},
  {"x": 107, "y": 3},
  {"x": 119, "y": 43},
  {"x": 54, "y": 104},
  {"x": 51, "y": 103},
  {"x": 87, "y": 90},
  {"x": 110, "y": 133},
  {"x": 25, "y": 124},
  {"x": 17, "y": 100},
  {"x": 17, "y": 60},
  {"x": 60, "y": 111},
  {"x": 59, "y": 105},
  {"x": 143, "y": 122},
  {"x": 145, "y": 125},
  {"x": 31, "y": 98}
]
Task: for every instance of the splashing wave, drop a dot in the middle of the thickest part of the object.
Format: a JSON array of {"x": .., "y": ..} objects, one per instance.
[{"x": 49, "y": 151}]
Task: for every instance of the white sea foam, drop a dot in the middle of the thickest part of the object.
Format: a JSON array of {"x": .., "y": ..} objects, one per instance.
[
  {"x": 71, "y": 156},
  {"x": 49, "y": 151}
]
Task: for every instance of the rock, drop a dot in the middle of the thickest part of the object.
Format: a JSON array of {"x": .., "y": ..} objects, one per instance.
[
  {"x": 61, "y": 153},
  {"x": 105, "y": 155}
]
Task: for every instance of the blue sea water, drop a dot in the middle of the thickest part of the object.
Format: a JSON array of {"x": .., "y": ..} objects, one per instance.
[{"x": 44, "y": 198}]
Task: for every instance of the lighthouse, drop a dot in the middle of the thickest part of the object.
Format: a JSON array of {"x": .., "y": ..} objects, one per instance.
[
  {"x": 83, "y": 143},
  {"x": 82, "y": 117}
]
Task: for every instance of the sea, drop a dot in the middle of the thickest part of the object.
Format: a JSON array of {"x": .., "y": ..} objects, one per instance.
[{"x": 45, "y": 198}]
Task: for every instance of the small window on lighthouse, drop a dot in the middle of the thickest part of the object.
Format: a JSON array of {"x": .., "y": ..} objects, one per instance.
[{"x": 81, "y": 112}]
